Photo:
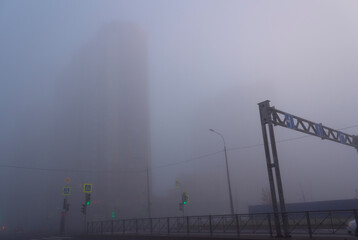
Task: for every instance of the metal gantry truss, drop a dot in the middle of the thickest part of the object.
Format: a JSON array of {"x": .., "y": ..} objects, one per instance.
[
  {"x": 316, "y": 129},
  {"x": 273, "y": 117}
]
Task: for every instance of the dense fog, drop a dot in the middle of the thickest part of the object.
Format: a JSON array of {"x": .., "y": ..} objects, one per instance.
[{"x": 122, "y": 94}]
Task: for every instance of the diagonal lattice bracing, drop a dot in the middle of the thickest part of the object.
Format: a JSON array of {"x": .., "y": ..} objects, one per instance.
[{"x": 291, "y": 121}]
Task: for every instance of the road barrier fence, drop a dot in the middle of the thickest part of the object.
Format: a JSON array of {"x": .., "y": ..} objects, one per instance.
[{"x": 308, "y": 223}]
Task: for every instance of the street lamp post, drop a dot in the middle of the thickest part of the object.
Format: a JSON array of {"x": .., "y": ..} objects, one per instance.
[{"x": 227, "y": 171}]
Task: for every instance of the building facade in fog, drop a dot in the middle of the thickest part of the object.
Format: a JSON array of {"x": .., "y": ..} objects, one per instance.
[{"x": 102, "y": 123}]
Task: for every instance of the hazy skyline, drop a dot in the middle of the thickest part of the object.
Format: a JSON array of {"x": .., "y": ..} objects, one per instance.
[{"x": 209, "y": 64}]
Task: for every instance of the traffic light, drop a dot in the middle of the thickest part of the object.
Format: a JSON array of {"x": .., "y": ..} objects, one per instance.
[
  {"x": 88, "y": 199},
  {"x": 83, "y": 209},
  {"x": 185, "y": 198},
  {"x": 66, "y": 205}
]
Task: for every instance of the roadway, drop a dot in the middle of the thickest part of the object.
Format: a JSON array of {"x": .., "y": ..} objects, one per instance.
[
  {"x": 27, "y": 236},
  {"x": 201, "y": 237}
]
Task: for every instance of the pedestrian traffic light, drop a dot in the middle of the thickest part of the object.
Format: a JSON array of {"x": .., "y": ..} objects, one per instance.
[
  {"x": 88, "y": 199},
  {"x": 67, "y": 207},
  {"x": 83, "y": 209},
  {"x": 64, "y": 203}
]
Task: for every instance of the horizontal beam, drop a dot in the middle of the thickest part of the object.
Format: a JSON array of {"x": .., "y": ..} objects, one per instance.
[{"x": 284, "y": 119}]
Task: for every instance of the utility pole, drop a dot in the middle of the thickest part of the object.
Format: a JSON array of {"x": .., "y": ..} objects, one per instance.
[
  {"x": 148, "y": 193},
  {"x": 181, "y": 204}
]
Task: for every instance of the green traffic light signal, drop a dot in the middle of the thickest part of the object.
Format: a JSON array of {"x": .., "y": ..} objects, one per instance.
[
  {"x": 185, "y": 198},
  {"x": 88, "y": 199}
]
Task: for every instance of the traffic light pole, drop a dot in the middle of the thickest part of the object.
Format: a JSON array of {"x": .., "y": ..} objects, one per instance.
[
  {"x": 84, "y": 210},
  {"x": 85, "y": 223},
  {"x": 62, "y": 223},
  {"x": 64, "y": 211}
]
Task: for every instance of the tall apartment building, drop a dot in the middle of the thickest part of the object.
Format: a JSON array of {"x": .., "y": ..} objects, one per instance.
[{"x": 102, "y": 123}]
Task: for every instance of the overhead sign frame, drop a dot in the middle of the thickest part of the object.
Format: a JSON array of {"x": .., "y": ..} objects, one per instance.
[{"x": 273, "y": 117}]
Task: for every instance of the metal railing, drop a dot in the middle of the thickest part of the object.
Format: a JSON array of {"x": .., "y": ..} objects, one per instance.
[{"x": 309, "y": 223}]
